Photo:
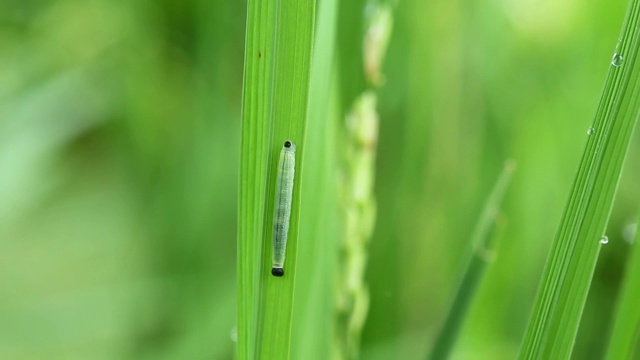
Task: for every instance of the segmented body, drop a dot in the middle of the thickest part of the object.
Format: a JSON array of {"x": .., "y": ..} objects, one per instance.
[{"x": 282, "y": 206}]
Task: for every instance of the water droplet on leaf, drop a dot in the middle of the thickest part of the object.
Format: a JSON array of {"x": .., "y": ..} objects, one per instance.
[{"x": 617, "y": 60}]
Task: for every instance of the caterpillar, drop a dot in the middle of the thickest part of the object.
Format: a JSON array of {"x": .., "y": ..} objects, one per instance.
[{"x": 282, "y": 206}]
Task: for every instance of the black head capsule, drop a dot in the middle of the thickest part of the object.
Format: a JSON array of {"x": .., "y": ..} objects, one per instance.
[
  {"x": 277, "y": 272},
  {"x": 287, "y": 144}
]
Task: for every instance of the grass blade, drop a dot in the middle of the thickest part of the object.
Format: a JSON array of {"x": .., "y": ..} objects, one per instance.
[
  {"x": 481, "y": 253},
  {"x": 276, "y": 87},
  {"x": 567, "y": 275},
  {"x": 626, "y": 326},
  {"x": 319, "y": 230}
]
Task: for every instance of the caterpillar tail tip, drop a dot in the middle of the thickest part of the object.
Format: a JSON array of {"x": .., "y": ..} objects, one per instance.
[{"x": 277, "y": 272}]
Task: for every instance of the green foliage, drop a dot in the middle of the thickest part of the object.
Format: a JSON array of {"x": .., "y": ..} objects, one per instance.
[
  {"x": 276, "y": 90},
  {"x": 481, "y": 252},
  {"x": 120, "y": 141},
  {"x": 624, "y": 336},
  {"x": 319, "y": 220},
  {"x": 567, "y": 276}
]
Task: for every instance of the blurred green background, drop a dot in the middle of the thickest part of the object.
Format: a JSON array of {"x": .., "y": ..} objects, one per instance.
[{"x": 119, "y": 150}]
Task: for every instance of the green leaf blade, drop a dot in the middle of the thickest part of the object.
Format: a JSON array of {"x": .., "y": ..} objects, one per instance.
[
  {"x": 276, "y": 87},
  {"x": 568, "y": 272}
]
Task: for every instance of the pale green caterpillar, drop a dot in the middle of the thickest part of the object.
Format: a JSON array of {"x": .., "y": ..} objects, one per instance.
[{"x": 282, "y": 206}]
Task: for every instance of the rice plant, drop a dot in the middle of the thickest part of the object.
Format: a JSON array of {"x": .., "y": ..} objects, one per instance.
[{"x": 139, "y": 145}]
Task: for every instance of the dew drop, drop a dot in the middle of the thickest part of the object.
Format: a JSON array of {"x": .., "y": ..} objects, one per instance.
[
  {"x": 590, "y": 131},
  {"x": 604, "y": 240},
  {"x": 617, "y": 60}
]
